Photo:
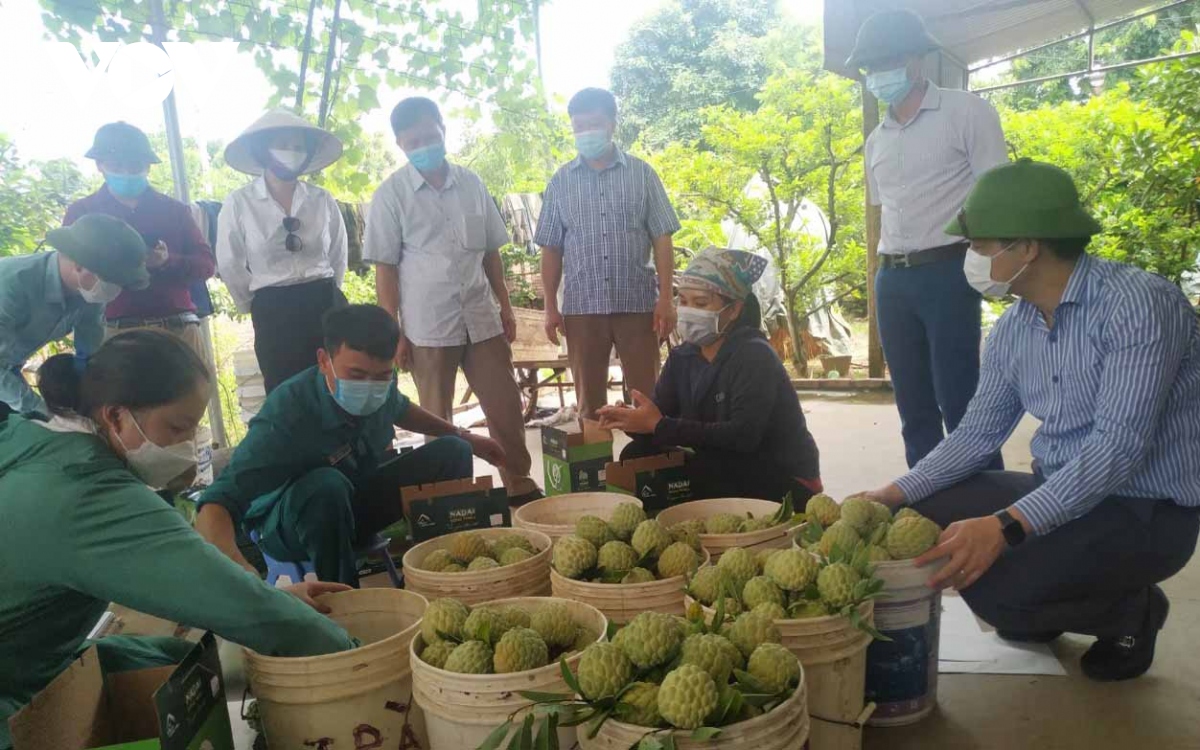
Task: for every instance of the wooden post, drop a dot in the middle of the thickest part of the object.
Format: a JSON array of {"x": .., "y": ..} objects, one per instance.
[{"x": 875, "y": 363}]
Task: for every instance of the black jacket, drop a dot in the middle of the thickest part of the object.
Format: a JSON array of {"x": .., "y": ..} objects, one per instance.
[{"x": 740, "y": 407}]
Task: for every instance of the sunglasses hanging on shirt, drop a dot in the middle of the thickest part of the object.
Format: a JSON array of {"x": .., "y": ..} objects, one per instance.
[{"x": 293, "y": 243}]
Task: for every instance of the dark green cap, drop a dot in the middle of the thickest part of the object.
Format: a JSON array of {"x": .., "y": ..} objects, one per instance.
[
  {"x": 106, "y": 246},
  {"x": 1026, "y": 199},
  {"x": 120, "y": 141},
  {"x": 889, "y": 35}
]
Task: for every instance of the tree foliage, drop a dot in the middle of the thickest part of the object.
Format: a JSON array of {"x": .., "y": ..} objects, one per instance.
[{"x": 33, "y": 198}]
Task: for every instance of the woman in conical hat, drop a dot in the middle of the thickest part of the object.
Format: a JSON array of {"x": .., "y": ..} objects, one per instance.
[
  {"x": 723, "y": 394},
  {"x": 281, "y": 241}
]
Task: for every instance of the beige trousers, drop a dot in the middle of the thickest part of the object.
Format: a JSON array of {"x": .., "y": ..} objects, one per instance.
[
  {"x": 189, "y": 333},
  {"x": 590, "y": 340},
  {"x": 489, "y": 370}
]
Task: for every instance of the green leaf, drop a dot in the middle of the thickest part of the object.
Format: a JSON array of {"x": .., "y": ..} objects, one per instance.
[
  {"x": 650, "y": 742},
  {"x": 669, "y": 742},
  {"x": 493, "y": 740},
  {"x": 536, "y": 697},
  {"x": 523, "y": 738},
  {"x": 569, "y": 676},
  {"x": 704, "y": 734},
  {"x": 611, "y": 631}
]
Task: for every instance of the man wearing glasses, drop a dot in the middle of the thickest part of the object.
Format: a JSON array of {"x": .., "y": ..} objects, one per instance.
[
  {"x": 179, "y": 255},
  {"x": 921, "y": 162},
  {"x": 281, "y": 242},
  {"x": 1107, "y": 358}
]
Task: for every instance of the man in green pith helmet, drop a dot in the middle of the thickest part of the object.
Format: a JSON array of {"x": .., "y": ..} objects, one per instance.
[
  {"x": 46, "y": 296},
  {"x": 1107, "y": 357},
  {"x": 931, "y": 146}
]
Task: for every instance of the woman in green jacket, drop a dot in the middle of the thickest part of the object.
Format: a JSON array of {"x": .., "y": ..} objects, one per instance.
[{"x": 80, "y": 527}]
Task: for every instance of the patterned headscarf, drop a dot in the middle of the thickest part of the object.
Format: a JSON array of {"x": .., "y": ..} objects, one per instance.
[{"x": 729, "y": 273}]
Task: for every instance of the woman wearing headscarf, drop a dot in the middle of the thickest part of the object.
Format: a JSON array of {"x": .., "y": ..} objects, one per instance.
[
  {"x": 281, "y": 242},
  {"x": 724, "y": 395}
]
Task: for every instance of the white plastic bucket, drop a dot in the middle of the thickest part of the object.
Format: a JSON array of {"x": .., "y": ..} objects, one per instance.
[{"x": 350, "y": 699}]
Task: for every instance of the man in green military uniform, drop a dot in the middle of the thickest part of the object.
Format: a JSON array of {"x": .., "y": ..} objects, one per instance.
[
  {"x": 313, "y": 475},
  {"x": 46, "y": 296}
]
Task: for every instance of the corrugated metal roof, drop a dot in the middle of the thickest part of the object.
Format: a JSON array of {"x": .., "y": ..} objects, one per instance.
[{"x": 974, "y": 30}]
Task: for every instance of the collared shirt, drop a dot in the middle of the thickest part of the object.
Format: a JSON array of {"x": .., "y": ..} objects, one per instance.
[
  {"x": 604, "y": 223},
  {"x": 158, "y": 218},
  {"x": 921, "y": 172},
  {"x": 1115, "y": 383},
  {"x": 251, "y": 242},
  {"x": 300, "y": 428},
  {"x": 114, "y": 540},
  {"x": 33, "y": 312},
  {"x": 438, "y": 239}
]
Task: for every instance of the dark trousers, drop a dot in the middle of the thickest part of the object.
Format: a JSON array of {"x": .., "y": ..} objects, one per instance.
[
  {"x": 722, "y": 474},
  {"x": 322, "y": 516},
  {"x": 1089, "y": 576},
  {"x": 929, "y": 324},
  {"x": 287, "y": 327}
]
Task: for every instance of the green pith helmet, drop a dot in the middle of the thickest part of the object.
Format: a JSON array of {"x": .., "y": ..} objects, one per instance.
[
  {"x": 889, "y": 35},
  {"x": 106, "y": 246},
  {"x": 1026, "y": 199},
  {"x": 120, "y": 141}
]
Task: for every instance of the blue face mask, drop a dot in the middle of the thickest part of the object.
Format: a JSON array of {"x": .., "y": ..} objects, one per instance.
[
  {"x": 126, "y": 185},
  {"x": 889, "y": 86},
  {"x": 429, "y": 158},
  {"x": 592, "y": 144},
  {"x": 361, "y": 397}
]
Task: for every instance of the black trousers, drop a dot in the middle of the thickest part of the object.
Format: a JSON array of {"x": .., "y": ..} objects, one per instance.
[
  {"x": 714, "y": 474},
  {"x": 1090, "y": 576},
  {"x": 287, "y": 327}
]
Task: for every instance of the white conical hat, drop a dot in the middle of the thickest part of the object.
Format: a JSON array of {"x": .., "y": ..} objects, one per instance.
[{"x": 239, "y": 154}]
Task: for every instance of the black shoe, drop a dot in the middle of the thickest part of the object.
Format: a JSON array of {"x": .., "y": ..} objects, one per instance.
[
  {"x": 1029, "y": 636},
  {"x": 528, "y": 497},
  {"x": 1127, "y": 657}
]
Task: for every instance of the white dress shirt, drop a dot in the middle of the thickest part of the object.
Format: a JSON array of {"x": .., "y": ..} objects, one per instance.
[
  {"x": 922, "y": 171},
  {"x": 251, "y": 242},
  {"x": 438, "y": 239}
]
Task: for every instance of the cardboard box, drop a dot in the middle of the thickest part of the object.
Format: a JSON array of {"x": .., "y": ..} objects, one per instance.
[
  {"x": 164, "y": 708},
  {"x": 445, "y": 507},
  {"x": 658, "y": 481},
  {"x": 575, "y": 456}
]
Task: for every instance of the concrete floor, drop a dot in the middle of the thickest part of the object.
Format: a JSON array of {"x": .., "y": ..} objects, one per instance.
[{"x": 859, "y": 437}]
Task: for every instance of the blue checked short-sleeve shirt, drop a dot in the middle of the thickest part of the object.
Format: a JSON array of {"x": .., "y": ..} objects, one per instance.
[{"x": 603, "y": 222}]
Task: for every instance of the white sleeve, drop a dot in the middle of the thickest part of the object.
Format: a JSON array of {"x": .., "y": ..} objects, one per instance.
[
  {"x": 231, "y": 252},
  {"x": 339, "y": 250},
  {"x": 384, "y": 236}
]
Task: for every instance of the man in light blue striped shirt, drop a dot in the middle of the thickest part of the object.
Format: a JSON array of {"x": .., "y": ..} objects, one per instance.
[{"x": 1107, "y": 357}]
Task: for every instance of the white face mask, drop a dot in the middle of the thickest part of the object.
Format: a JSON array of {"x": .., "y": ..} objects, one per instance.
[
  {"x": 293, "y": 160},
  {"x": 978, "y": 270},
  {"x": 101, "y": 293},
  {"x": 699, "y": 327},
  {"x": 156, "y": 465}
]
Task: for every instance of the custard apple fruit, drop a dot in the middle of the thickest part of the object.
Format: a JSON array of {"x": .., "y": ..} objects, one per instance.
[
  {"x": 823, "y": 509},
  {"x": 638, "y": 575},
  {"x": 483, "y": 563},
  {"x": 467, "y": 546},
  {"x": 678, "y": 560},
  {"x": 762, "y": 556},
  {"x": 772, "y": 610},
  {"x": 836, "y": 583},
  {"x": 774, "y": 667},
  {"x": 514, "y": 555},
  {"x": 759, "y": 590},
  {"x": 650, "y": 538},
  {"x": 443, "y": 616},
  {"x": 808, "y": 608},
  {"x": 792, "y": 569},
  {"x": 707, "y": 584},
  {"x": 436, "y": 653},
  {"x": 470, "y": 657},
  {"x": 858, "y": 513},
  {"x": 435, "y": 561},
  {"x": 453, "y": 568},
  {"x": 907, "y": 512},
  {"x": 554, "y": 623},
  {"x": 755, "y": 524},
  {"x": 651, "y": 639},
  {"x": 750, "y": 630},
  {"x": 486, "y": 624},
  {"x": 740, "y": 565},
  {"x": 875, "y": 554},
  {"x": 505, "y": 542},
  {"x": 689, "y": 531},
  {"x": 687, "y": 696},
  {"x": 595, "y": 530},
  {"x": 910, "y": 537},
  {"x": 639, "y": 705},
  {"x": 519, "y": 650},
  {"x": 841, "y": 535},
  {"x": 515, "y": 617},
  {"x": 616, "y": 556},
  {"x": 625, "y": 520},
  {"x": 723, "y": 523},
  {"x": 574, "y": 556},
  {"x": 706, "y": 652},
  {"x": 604, "y": 670}
]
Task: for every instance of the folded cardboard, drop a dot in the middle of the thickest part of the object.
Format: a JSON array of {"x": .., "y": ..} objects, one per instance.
[
  {"x": 575, "y": 456},
  {"x": 658, "y": 481},
  {"x": 164, "y": 708},
  {"x": 445, "y": 507}
]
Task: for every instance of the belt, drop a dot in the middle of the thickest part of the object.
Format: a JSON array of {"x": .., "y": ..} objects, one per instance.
[
  {"x": 171, "y": 321},
  {"x": 955, "y": 251}
]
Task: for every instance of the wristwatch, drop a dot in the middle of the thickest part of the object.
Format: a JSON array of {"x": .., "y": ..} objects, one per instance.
[{"x": 1014, "y": 532}]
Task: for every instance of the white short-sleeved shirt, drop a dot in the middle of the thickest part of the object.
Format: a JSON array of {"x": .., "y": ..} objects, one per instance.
[
  {"x": 921, "y": 172},
  {"x": 438, "y": 239}
]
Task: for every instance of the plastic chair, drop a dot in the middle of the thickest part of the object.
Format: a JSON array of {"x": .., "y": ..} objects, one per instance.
[{"x": 295, "y": 572}]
